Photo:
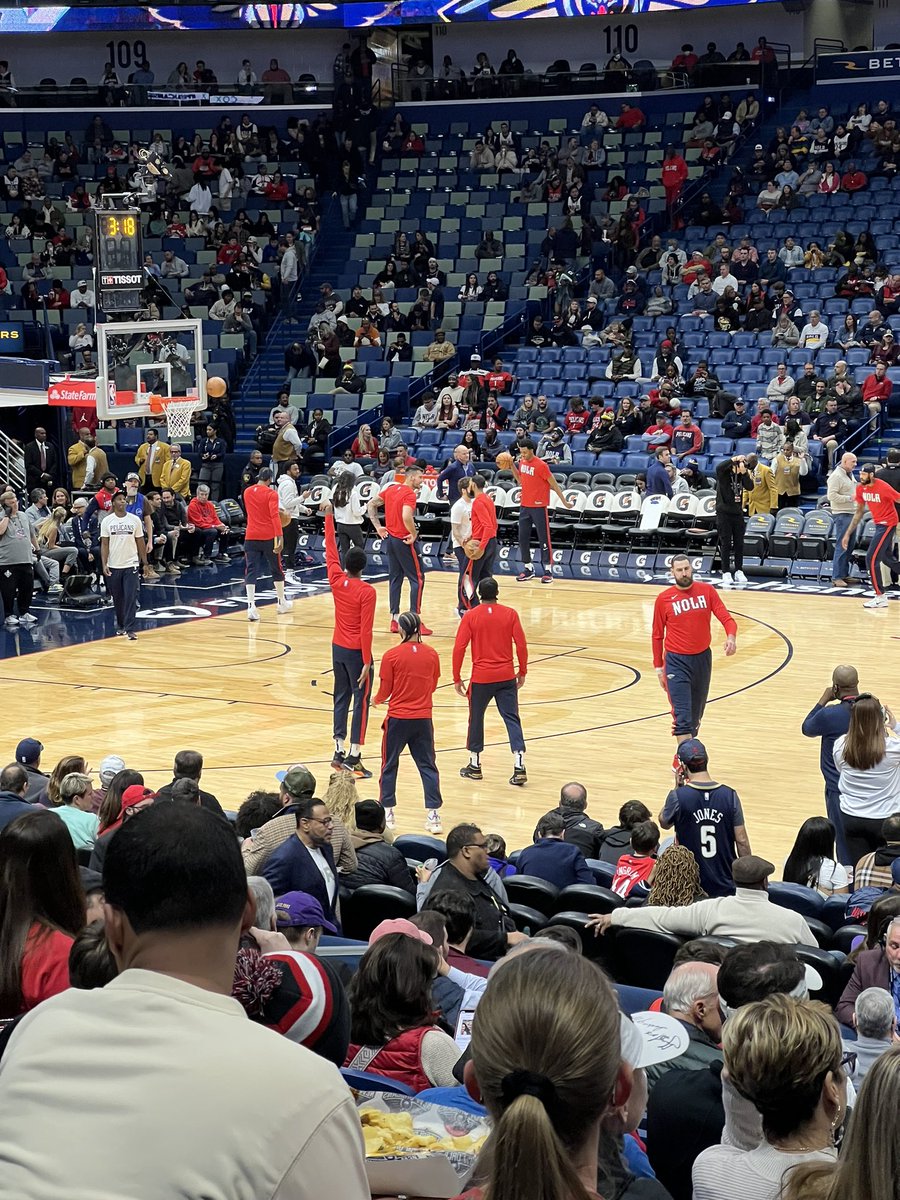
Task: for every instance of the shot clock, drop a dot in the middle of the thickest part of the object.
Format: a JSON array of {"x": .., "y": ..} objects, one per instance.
[{"x": 119, "y": 259}]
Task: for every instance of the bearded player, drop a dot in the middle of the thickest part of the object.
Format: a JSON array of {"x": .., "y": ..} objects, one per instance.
[{"x": 682, "y": 619}]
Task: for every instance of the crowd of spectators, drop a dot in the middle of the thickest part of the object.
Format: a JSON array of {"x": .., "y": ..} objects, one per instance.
[{"x": 125, "y": 909}]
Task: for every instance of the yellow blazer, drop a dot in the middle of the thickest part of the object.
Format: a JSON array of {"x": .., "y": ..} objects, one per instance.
[
  {"x": 763, "y": 496},
  {"x": 162, "y": 456},
  {"x": 177, "y": 476},
  {"x": 77, "y": 458}
]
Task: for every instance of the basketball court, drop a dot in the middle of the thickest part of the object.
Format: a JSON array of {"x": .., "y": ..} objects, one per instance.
[{"x": 256, "y": 697}]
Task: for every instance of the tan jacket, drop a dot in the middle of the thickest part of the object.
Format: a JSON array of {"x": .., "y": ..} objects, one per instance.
[
  {"x": 176, "y": 474},
  {"x": 77, "y": 457},
  {"x": 762, "y": 497},
  {"x": 162, "y": 456}
]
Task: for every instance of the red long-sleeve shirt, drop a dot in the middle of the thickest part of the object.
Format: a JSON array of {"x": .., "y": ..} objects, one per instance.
[
  {"x": 682, "y": 618},
  {"x": 354, "y": 601},
  {"x": 261, "y": 507},
  {"x": 408, "y": 675},
  {"x": 493, "y": 630},
  {"x": 484, "y": 518}
]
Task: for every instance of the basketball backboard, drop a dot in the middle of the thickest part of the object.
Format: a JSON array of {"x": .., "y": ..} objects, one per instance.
[{"x": 137, "y": 358}]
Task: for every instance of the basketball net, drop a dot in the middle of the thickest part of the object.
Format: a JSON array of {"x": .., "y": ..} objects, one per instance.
[{"x": 178, "y": 411}]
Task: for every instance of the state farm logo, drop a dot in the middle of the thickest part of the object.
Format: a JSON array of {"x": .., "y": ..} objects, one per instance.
[{"x": 72, "y": 392}]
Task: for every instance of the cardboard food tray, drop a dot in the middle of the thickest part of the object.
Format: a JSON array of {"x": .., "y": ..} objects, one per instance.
[{"x": 435, "y": 1174}]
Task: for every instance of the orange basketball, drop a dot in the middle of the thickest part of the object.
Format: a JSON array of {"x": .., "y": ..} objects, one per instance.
[
  {"x": 216, "y": 387},
  {"x": 504, "y": 460}
]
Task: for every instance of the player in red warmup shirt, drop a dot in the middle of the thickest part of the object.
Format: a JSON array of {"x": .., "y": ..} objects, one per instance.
[
  {"x": 484, "y": 536},
  {"x": 262, "y": 542},
  {"x": 400, "y": 533},
  {"x": 408, "y": 676},
  {"x": 493, "y": 630},
  {"x": 536, "y": 481},
  {"x": 682, "y": 616},
  {"x": 351, "y": 648},
  {"x": 881, "y": 499}
]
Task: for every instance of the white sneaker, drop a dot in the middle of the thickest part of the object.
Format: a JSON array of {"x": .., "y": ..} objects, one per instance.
[
  {"x": 28, "y": 619},
  {"x": 876, "y": 602},
  {"x": 285, "y": 607},
  {"x": 389, "y": 821},
  {"x": 11, "y": 622},
  {"x": 740, "y": 577},
  {"x": 727, "y": 580},
  {"x": 433, "y": 822},
  {"x": 252, "y": 613}
]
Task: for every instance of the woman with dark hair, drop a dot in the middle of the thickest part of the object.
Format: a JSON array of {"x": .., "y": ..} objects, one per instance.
[
  {"x": 112, "y": 801},
  {"x": 472, "y": 444},
  {"x": 41, "y": 910},
  {"x": 348, "y": 513},
  {"x": 882, "y": 912},
  {"x": 392, "y": 1013},
  {"x": 868, "y": 759},
  {"x": 812, "y": 863}
]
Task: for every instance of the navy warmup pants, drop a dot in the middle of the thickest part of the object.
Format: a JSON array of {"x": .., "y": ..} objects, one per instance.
[
  {"x": 122, "y": 583},
  {"x": 404, "y": 563},
  {"x": 417, "y": 735},
  {"x": 539, "y": 520},
  {"x": 260, "y": 559},
  {"x": 462, "y": 602},
  {"x": 347, "y": 665},
  {"x": 880, "y": 552},
  {"x": 506, "y": 696},
  {"x": 687, "y": 682},
  {"x": 476, "y": 570}
]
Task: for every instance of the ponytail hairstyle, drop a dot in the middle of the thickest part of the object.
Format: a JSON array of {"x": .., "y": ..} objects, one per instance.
[
  {"x": 410, "y": 626},
  {"x": 545, "y": 1052}
]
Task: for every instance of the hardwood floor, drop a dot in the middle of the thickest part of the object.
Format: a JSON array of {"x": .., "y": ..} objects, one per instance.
[{"x": 255, "y": 698}]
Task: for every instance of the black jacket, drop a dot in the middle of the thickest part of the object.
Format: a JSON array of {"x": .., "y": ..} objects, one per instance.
[
  {"x": 378, "y": 862},
  {"x": 207, "y": 799},
  {"x": 492, "y": 922},
  {"x": 685, "y": 1116},
  {"x": 616, "y": 842},
  {"x": 33, "y": 476},
  {"x": 581, "y": 831}
]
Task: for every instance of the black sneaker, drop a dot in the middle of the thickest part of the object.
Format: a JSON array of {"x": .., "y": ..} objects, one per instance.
[
  {"x": 470, "y": 772},
  {"x": 337, "y": 763},
  {"x": 353, "y": 763},
  {"x": 519, "y": 777}
]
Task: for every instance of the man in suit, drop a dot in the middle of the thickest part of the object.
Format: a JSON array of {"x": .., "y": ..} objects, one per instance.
[
  {"x": 41, "y": 462},
  {"x": 87, "y": 462},
  {"x": 151, "y": 457},
  {"x": 175, "y": 473},
  {"x": 305, "y": 862}
]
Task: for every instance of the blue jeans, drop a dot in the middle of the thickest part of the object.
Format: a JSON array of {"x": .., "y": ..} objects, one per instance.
[{"x": 841, "y": 563}]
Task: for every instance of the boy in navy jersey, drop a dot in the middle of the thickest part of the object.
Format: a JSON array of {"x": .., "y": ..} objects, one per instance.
[{"x": 708, "y": 820}]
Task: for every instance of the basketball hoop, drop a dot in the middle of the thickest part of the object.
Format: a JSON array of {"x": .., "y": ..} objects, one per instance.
[{"x": 178, "y": 411}]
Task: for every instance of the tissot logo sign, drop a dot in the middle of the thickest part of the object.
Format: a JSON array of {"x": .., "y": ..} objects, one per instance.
[{"x": 121, "y": 279}]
